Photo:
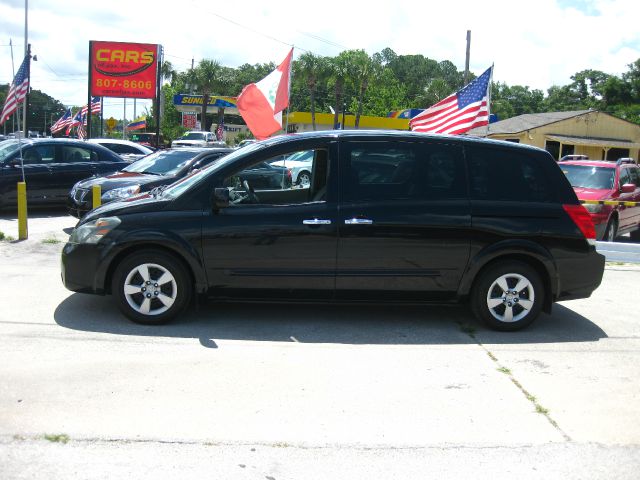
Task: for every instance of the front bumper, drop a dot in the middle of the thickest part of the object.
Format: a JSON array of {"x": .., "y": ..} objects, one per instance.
[{"x": 80, "y": 268}]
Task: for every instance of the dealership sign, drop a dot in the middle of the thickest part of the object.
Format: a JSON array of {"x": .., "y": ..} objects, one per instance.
[{"x": 119, "y": 69}]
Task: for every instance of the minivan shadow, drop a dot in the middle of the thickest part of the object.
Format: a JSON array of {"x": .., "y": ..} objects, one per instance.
[{"x": 321, "y": 323}]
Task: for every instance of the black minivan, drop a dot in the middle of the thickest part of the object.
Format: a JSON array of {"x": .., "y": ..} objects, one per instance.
[{"x": 387, "y": 217}]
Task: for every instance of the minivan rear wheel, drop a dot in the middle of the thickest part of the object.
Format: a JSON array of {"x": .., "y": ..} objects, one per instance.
[
  {"x": 507, "y": 296},
  {"x": 151, "y": 287}
]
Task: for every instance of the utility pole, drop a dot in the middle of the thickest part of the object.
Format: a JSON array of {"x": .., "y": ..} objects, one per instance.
[{"x": 466, "y": 63}]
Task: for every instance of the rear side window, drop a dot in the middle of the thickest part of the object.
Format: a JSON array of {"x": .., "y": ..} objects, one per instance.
[
  {"x": 634, "y": 176},
  {"x": 399, "y": 171},
  {"x": 78, "y": 154},
  {"x": 508, "y": 175}
]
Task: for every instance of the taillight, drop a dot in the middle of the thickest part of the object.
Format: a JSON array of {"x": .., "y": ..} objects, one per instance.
[{"x": 583, "y": 221}]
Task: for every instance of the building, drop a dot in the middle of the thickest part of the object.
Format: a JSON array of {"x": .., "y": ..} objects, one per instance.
[
  {"x": 596, "y": 134},
  {"x": 298, "y": 122}
]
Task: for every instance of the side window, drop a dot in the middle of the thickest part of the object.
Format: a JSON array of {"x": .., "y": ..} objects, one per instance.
[
  {"x": 271, "y": 180},
  {"x": 38, "y": 154},
  {"x": 507, "y": 175},
  {"x": 77, "y": 155},
  {"x": 634, "y": 175},
  {"x": 398, "y": 171},
  {"x": 624, "y": 177}
]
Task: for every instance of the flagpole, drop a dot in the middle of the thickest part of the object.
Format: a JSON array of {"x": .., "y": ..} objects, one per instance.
[
  {"x": 489, "y": 101},
  {"x": 27, "y": 52}
]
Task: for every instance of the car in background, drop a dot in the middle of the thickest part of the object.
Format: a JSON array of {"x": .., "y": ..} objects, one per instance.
[
  {"x": 155, "y": 170},
  {"x": 300, "y": 164},
  {"x": 130, "y": 151},
  {"x": 197, "y": 139},
  {"x": 244, "y": 143},
  {"x": 51, "y": 167},
  {"x": 567, "y": 158},
  {"x": 601, "y": 181},
  {"x": 149, "y": 140}
]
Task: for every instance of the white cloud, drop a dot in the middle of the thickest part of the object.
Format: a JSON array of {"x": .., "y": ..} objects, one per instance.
[{"x": 538, "y": 44}]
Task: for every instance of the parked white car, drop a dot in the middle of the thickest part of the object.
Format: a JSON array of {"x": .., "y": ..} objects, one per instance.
[
  {"x": 130, "y": 151},
  {"x": 198, "y": 139},
  {"x": 300, "y": 165}
]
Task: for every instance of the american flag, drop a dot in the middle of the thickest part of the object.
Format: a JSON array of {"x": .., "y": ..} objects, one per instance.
[
  {"x": 17, "y": 91},
  {"x": 95, "y": 106},
  {"x": 62, "y": 122},
  {"x": 82, "y": 132},
  {"x": 466, "y": 109},
  {"x": 220, "y": 131},
  {"x": 77, "y": 120}
]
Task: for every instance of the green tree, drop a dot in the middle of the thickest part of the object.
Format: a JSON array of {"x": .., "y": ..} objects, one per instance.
[
  {"x": 207, "y": 78},
  {"x": 311, "y": 69}
]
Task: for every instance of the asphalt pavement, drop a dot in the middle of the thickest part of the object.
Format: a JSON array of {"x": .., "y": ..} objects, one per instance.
[{"x": 309, "y": 391}]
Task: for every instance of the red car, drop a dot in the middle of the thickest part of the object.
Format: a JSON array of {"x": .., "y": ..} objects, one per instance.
[{"x": 605, "y": 180}]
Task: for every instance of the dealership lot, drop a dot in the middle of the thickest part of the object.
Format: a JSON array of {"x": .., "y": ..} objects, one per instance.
[{"x": 268, "y": 391}]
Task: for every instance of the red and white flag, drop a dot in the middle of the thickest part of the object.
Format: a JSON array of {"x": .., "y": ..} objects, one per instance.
[{"x": 261, "y": 104}]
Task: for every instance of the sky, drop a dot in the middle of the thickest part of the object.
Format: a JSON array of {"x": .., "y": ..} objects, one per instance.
[{"x": 538, "y": 43}]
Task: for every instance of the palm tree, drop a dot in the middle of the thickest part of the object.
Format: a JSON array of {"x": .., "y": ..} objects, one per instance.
[
  {"x": 312, "y": 68},
  {"x": 365, "y": 70},
  {"x": 339, "y": 68},
  {"x": 168, "y": 72},
  {"x": 207, "y": 77}
]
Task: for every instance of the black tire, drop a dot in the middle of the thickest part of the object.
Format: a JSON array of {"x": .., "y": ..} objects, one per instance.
[
  {"x": 165, "y": 299},
  {"x": 635, "y": 235},
  {"x": 304, "y": 178},
  {"x": 512, "y": 311},
  {"x": 611, "y": 232}
]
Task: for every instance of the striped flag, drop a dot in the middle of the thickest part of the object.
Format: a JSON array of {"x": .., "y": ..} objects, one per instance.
[
  {"x": 82, "y": 132},
  {"x": 77, "y": 120},
  {"x": 17, "y": 91},
  {"x": 466, "y": 109},
  {"x": 62, "y": 122},
  {"x": 95, "y": 106}
]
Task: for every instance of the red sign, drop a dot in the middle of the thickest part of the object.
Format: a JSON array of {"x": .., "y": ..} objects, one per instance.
[
  {"x": 189, "y": 120},
  {"x": 123, "y": 69}
]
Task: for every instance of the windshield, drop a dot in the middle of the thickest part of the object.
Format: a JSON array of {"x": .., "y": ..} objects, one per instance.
[
  {"x": 193, "y": 136},
  {"x": 166, "y": 162},
  {"x": 178, "y": 188},
  {"x": 7, "y": 148},
  {"x": 586, "y": 176}
]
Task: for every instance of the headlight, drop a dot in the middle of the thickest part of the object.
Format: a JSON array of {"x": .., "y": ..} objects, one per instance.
[
  {"x": 120, "y": 193},
  {"x": 93, "y": 232},
  {"x": 593, "y": 207}
]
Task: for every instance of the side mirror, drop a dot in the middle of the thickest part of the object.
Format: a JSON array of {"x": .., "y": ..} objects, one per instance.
[
  {"x": 220, "y": 198},
  {"x": 628, "y": 188}
]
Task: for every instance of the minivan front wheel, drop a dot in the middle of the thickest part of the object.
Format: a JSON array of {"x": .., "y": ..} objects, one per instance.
[
  {"x": 151, "y": 287},
  {"x": 507, "y": 296}
]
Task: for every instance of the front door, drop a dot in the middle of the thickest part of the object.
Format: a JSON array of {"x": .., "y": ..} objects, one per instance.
[
  {"x": 272, "y": 243},
  {"x": 36, "y": 160},
  {"x": 404, "y": 221}
]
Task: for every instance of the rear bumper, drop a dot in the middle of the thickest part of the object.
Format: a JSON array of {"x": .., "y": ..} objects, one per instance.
[{"x": 580, "y": 276}]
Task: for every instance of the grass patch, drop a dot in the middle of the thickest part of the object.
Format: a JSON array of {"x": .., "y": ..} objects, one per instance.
[
  {"x": 51, "y": 240},
  {"x": 6, "y": 238},
  {"x": 541, "y": 409},
  {"x": 57, "y": 438},
  {"x": 468, "y": 329},
  {"x": 504, "y": 370}
]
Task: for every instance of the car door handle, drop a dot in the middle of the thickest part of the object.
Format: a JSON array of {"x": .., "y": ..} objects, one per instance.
[
  {"x": 358, "y": 221},
  {"x": 316, "y": 221}
]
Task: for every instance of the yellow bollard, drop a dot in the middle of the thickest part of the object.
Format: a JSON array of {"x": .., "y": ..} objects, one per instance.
[
  {"x": 23, "y": 231},
  {"x": 97, "y": 195}
]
